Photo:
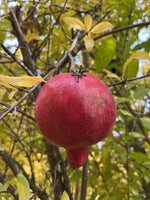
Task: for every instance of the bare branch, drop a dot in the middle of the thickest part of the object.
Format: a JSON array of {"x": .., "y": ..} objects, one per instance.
[
  {"x": 25, "y": 49},
  {"x": 84, "y": 180},
  {"x": 120, "y": 29},
  {"x": 26, "y": 69}
]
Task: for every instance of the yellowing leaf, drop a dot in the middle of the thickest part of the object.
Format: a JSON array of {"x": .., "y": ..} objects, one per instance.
[
  {"x": 65, "y": 196},
  {"x": 102, "y": 27},
  {"x": 23, "y": 81},
  {"x": 89, "y": 43},
  {"x": 23, "y": 187},
  {"x": 88, "y": 22},
  {"x": 74, "y": 23},
  {"x": 11, "y": 94},
  {"x": 32, "y": 36},
  {"x": 94, "y": 1},
  {"x": 136, "y": 55},
  {"x": 112, "y": 75}
]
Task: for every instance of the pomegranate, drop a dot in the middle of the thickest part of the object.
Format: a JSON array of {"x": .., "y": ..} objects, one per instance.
[{"x": 75, "y": 111}]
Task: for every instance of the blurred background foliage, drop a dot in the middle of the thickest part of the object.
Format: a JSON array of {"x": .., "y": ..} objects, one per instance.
[{"x": 119, "y": 166}]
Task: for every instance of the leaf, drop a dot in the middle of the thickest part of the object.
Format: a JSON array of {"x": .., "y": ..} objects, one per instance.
[
  {"x": 134, "y": 189},
  {"x": 89, "y": 43},
  {"x": 74, "y": 23},
  {"x": 102, "y": 27},
  {"x": 112, "y": 75},
  {"x": 140, "y": 91},
  {"x": 65, "y": 196},
  {"x": 23, "y": 187},
  {"x": 121, "y": 99},
  {"x": 23, "y": 81},
  {"x": 125, "y": 112},
  {"x": 137, "y": 135},
  {"x": 105, "y": 53},
  {"x": 146, "y": 122},
  {"x": 133, "y": 68},
  {"x": 88, "y": 22},
  {"x": 32, "y": 36},
  {"x": 136, "y": 55}
]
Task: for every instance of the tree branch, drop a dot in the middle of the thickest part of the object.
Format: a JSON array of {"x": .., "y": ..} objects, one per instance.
[
  {"x": 10, "y": 188},
  {"x": 26, "y": 69},
  {"x": 84, "y": 180},
  {"x": 25, "y": 49},
  {"x": 16, "y": 167},
  {"x": 120, "y": 29}
]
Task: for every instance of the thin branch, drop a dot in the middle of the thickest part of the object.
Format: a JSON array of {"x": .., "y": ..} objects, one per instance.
[
  {"x": 84, "y": 180},
  {"x": 123, "y": 82},
  {"x": 26, "y": 69},
  {"x": 24, "y": 46},
  {"x": 120, "y": 29},
  {"x": 16, "y": 167},
  {"x": 64, "y": 174}
]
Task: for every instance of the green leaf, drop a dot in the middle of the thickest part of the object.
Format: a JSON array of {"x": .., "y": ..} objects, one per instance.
[
  {"x": 65, "y": 196},
  {"x": 23, "y": 187},
  {"x": 140, "y": 91},
  {"x": 121, "y": 99},
  {"x": 139, "y": 157},
  {"x": 136, "y": 55},
  {"x": 76, "y": 176},
  {"x": 125, "y": 112},
  {"x": 137, "y": 135},
  {"x": 133, "y": 68},
  {"x": 146, "y": 122},
  {"x": 105, "y": 53},
  {"x": 134, "y": 189}
]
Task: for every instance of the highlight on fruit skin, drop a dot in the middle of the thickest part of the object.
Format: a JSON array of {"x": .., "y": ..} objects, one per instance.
[{"x": 75, "y": 112}]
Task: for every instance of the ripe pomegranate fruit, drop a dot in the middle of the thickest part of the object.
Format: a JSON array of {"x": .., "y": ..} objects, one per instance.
[{"x": 75, "y": 111}]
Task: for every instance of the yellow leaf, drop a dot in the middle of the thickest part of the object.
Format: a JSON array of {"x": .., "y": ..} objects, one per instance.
[
  {"x": 74, "y": 23},
  {"x": 112, "y": 75},
  {"x": 94, "y": 1},
  {"x": 88, "y": 22},
  {"x": 102, "y": 27},
  {"x": 89, "y": 43},
  {"x": 32, "y": 36},
  {"x": 136, "y": 55},
  {"x": 11, "y": 94},
  {"x": 23, "y": 81}
]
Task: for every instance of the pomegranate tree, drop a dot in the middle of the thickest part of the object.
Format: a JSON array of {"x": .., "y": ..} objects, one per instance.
[{"x": 75, "y": 111}]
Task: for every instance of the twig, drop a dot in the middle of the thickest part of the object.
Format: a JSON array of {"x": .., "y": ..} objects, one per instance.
[
  {"x": 16, "y": 167},
  {"x": 17, "y": 60},
  {"x": 25, "y": 49},
  {"x": 84, "y": 180},
  {"x": 129, "y": 80},
  {"x": 64, "y": 174},
  {"x": 120, "y": 29}
]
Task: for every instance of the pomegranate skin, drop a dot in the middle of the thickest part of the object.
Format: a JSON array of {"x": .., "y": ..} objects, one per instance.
[{"x": 75, "y": 115}]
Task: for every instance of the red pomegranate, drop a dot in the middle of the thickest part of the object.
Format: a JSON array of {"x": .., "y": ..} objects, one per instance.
[{"x": 75, "y": 111}]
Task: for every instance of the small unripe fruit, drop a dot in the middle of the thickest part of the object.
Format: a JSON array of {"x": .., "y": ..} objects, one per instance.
[{"x": 75, "y": 112}]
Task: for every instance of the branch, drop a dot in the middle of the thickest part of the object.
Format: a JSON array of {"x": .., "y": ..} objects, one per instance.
[
  {"x": 26, "y": 69},
  {"x": 58, "y": 67},
  {"x": 84, "y": 180},
  {"x": 10, "y": 188},
  {"x": 120, "y": 29},
  {"x": 128, "y": 80},
  {"x": 18, "y": 110},
  {"x": 25, "y": 49},
  {"x": 16, "y": 167}
]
